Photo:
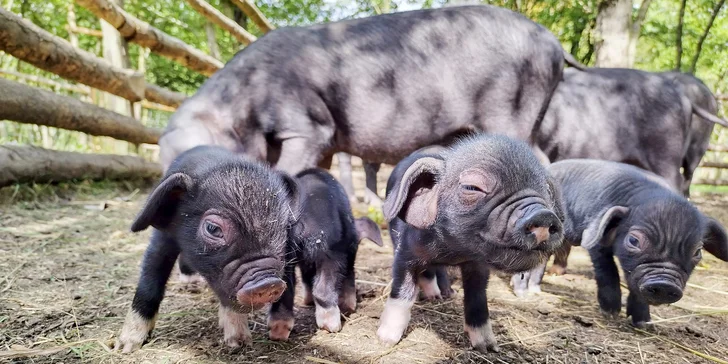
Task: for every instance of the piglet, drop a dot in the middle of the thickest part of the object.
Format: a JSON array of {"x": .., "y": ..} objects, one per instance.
[
  {"x": 614, "y": 209},
  {"x": 324, "y": 243},
  {"x": 485, "y": 203},
  {"x": 228, "y": 219}
]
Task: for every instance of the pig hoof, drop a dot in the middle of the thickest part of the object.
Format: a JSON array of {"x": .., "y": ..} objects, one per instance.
[
  {"x": 191, "y": 279},
  {"x": 534, "y": 289},
  {"x": 234, "y": 327},
  {"x": 347, "y": 303},
  {"x": 280, "y": 329},
  {"x": 135, "y": 330},
  {"x": 482, "y": 338},
  {"x": 429, "y": 289},
  {"x": 610, "y": 315},
  {"x": 328, "y": 319},
  {"x": 394, "y": 320},
  {"x": 641, "y": 324},
  {"x": 520, "y": 293},
  {"x": 556, "y": 270}
]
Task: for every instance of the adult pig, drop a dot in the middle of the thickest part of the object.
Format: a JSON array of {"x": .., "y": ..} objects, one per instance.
[
  {"x": 621, "y": 115},
  {"x": 228, "y": 219},
  {"x": 700, "y": 128},
  {"x": 324, "y": 243},
  {"x": 485, "y": 203},
  {"x": 378, "y": 87},
  {"x": 614, "y": 209}
]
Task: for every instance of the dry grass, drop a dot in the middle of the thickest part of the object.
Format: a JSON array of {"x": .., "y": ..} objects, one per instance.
[{"x": 68, "y": 273}]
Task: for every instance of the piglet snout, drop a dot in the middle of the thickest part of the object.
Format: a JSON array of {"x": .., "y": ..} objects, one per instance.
[
  {"x": 260, "y": 292},
  {"x": 540, "y": 226},
  {"x": 661, "y": 292}
]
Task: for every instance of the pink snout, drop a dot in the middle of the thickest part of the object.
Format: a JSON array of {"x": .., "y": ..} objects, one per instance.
[{"x": 258, "y": 293}]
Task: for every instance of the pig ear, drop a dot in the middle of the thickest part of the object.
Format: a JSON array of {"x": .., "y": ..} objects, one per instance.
[
  {"x": 599, "y": 230},
  {"x": 294, "y": 194},
  {"x": 555, "y": 193},
  {"x": 715, "y": 240},
  {"x": 414, "y": 197},
  {"x": 368, "y": 229},
  {"x": 163, "y": 202}
]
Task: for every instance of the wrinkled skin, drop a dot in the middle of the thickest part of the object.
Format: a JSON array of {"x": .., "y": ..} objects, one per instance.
[
  {"x": 324, "y": 243},
  {"x": 618, "y": 210},
  {"x": 298, "y": 95},
  {"x": 227, "y": 218},
  {"x": 486, "y": 203},
  {"x": 645, "y": 119}
]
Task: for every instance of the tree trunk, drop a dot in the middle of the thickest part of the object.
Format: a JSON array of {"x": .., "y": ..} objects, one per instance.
[
  {"x": 213, "y": 15},
  {"x": 699, "y": 48},
  {"x": 26, "y": 41},
  {"x": 140, "y": 32},
  {"x": 115, "y": 51},
  {"x": 33, "y": 164},
  {"x": 30, "y": 105},
  {"x": 635, "y": 30},
  {"x": 212, "y": 46},
  {"x": 254, "y": 14},
  {"x": 612, "y": 33},
  {"x": 678, "y": 40}
]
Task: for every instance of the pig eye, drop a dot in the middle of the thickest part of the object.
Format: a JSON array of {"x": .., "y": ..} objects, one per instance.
[
  {"x": 698, "y": 254},
  {"x": 471, "y": 188},
  {"x": 633, "y": 242},
  {"x": 213, "y": 230}
]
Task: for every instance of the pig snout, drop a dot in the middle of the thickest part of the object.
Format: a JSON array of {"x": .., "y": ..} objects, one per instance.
[
  {"x": 258, "y": 293},
  {"x": 660, "y": 291},
  {"x": 540, "y": 229}
]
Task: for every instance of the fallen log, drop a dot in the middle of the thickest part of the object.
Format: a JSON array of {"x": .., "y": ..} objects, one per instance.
[
  {"x": 161, "y": 95},
  {"x": 28, "y": 42},
  {"x": 22, "y": 164},
  {"x": 254, "y": 14},
  {"x": 717, "y": 148},
  {"x": 718, "y": 165},
  {"x": 215, "y": 16},
  {"x": 31, "y": 105},
  {"x": 140, "y": 32}
]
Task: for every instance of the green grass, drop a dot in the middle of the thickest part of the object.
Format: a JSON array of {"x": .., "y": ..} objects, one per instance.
[
  {"x": 708, "y": 189},
  {"x": 33, "y": 194}
]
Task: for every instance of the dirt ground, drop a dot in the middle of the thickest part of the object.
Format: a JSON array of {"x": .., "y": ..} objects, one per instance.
[{"x": 68, "y": 270}]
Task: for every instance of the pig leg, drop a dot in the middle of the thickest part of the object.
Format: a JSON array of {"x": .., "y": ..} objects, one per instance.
[
  {"x": 535, "y": 278},
  {"x": 297, "y": 154},
  {"x": 347, "y": 293},
  {"x": 560, "y": 258},
  {"x": 519, "y": 281},
  {"x": 326, "y": 286},
  {"x": 280, "y": 318},
  {"x": 345, "y": 175},
  {"x": 609, "y": 294},
  {"x": 396, "y": 315},
  {"x": 427, "y": 282},
  {"x": 234, "y": 326},
  {"x": 308, "y": 271},
  {"x": 443, "y": 282},
  {"x": 187, "y": 274},
  {"x": 639, "y": 310},
  {"x": 477, "y": 319},
  {"x": 370, "y": 194},
  {"x": 157, "y": 265}
]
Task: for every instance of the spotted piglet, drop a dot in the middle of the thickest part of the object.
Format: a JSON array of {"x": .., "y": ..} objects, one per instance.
[
  {"x": 227, "y": 219},
  {"x": 485, "y": 203},
  {"x": 324, "y": 244}
]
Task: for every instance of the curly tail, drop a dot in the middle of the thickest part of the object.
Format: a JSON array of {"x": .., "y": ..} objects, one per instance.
[{"x": 571, "y": 61}]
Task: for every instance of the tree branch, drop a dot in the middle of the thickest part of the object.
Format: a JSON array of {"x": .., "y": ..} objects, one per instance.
[
  {"x": 699, "y": 49},
  {"x": 678, "y": 40},
  {"x": 254, "y": 14},
  {"x": 215, "y": 16}
]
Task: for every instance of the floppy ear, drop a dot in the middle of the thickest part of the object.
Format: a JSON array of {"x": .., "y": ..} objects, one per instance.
[
  {"x": 414, "y": 197},
  {"x": 368, "y": 229},
  {"x": 163, "y": 202},
  {"x": 294, "y": 195},
  {"x": 601, "y": 231},
  {"x": 555, "y": 194},
  {"x": 715, "y": 240}
]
